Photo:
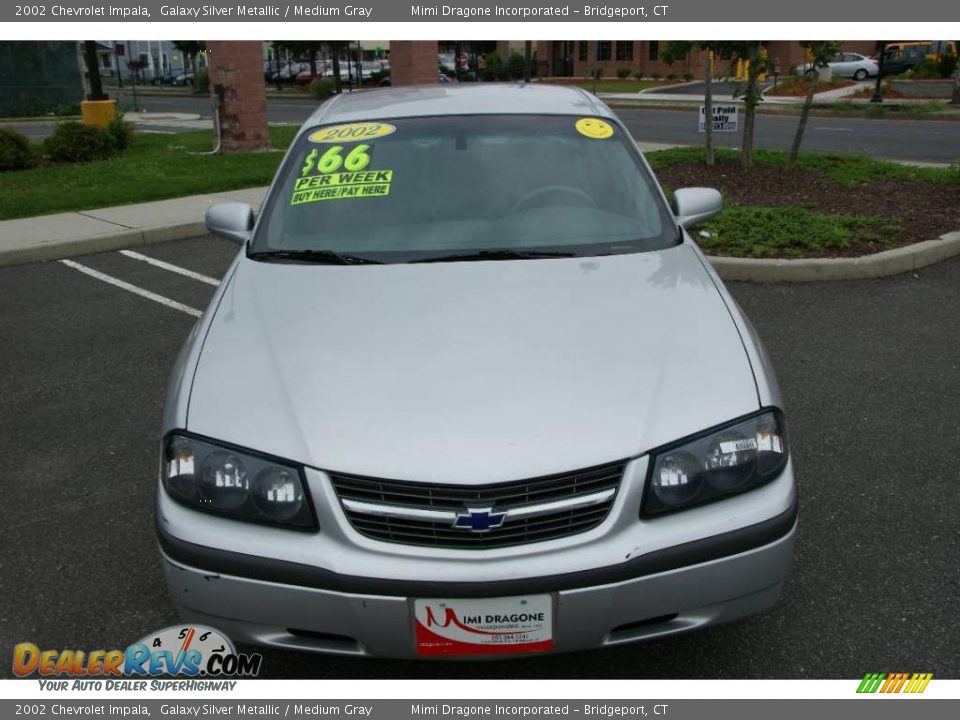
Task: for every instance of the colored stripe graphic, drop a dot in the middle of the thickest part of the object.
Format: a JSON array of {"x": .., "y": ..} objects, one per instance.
[{"x": 894, "y": 682}]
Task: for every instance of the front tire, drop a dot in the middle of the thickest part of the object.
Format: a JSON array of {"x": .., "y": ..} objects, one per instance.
[{"x": 860, "y": 74}]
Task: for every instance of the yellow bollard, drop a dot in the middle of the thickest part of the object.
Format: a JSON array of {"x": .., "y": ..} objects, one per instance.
[{"x": 98, "y": 112}]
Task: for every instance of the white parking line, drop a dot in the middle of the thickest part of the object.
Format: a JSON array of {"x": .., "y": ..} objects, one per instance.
[
  {"x": 132, "y": 288},
  {"x": 171, "y": 267}
]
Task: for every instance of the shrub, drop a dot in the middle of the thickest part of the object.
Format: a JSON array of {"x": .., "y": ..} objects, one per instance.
[
  {"x": 623, "y": 73},
  {"x": 322, "y": 88},
  {"x": 516, "y": 63},
  {"x": 201, "y": 81},
  {"x": 688, "y": 76},
  {"x": 947, "y": 65},
  {"x": 638, "y": 75},
  {"x": 121, "y": 132},
  {"x": 598, "y": 72},
  {"x": 15, "y": 151},
  {"x": 926, "y": 70},
  {"x": 655, "y": 75},
  {"x": 671, "y": 76},
  {"x": 75, "y": 142}
]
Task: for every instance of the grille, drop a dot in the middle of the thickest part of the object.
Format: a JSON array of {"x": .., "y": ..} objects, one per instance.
[{"x": 557, "y": 503}]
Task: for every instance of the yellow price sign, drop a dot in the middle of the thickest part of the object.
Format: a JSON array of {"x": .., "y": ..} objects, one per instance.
[{"x": 351, "y": 132}]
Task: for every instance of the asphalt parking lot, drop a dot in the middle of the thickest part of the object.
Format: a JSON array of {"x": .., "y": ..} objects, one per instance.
[{"x": 870, "y": 371}]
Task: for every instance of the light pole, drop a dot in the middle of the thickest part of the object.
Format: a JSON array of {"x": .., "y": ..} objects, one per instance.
[{"x": 878, "y": 91}]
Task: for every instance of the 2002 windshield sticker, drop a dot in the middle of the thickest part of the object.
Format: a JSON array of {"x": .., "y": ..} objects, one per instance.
[{"x": 339, "y": 173}]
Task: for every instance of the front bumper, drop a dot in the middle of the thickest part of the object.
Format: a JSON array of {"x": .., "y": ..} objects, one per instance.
[{"x": 674, "y": 588}]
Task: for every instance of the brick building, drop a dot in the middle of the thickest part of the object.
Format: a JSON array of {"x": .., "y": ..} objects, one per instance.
[{"x": 576, "y": 58}]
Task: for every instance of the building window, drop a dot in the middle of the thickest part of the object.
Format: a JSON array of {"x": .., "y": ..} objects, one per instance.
[
  {"x": 583, "y": 50},
  {"x": 624, "y": 49},
  {"x": 654, "y": 50},
  {"x": 603, "y": 50}
]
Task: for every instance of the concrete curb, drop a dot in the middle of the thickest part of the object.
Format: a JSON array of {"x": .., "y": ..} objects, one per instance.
[
  {"x": 882, "y": 264},
  {"x": 54, "y": 237},
  {"x": 59, "y": 249}
]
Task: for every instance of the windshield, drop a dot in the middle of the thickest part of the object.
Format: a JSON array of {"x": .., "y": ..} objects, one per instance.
[{"x": 433, "y": 188}]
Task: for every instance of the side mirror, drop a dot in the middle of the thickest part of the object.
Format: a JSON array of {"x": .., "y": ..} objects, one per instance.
[
  {"x": 694, "y": 205},
  {"x": 233, "y": 221}
]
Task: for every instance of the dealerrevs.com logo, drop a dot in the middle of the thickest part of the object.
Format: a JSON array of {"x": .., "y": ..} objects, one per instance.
[{"x": 186, "y": 651}]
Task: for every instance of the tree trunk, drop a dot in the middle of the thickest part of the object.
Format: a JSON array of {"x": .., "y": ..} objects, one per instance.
[
  {"x": 93, "y": 71},
  {"x": 336, "y": 67},
  {"x": 956, "y": 78},
  {"x": 708, "y": 107},
  {"x": 313, "y": 64},
  {"x": 750, "y": 101},
  {"x": 802, "y": 126}
]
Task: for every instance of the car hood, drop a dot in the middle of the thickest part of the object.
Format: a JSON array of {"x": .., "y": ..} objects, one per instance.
[{"x": 470, "y": 372}]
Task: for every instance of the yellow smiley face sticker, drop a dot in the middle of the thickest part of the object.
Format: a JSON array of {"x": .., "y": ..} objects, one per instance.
[{"x": 594, "y": 128}]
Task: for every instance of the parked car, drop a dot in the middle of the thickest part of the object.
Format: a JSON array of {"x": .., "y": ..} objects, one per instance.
[
  {"x": 183, "y": 79},
  {"x": 851, "y": 65},
  {"x": 447, "y": 61},
  {"x": 166, "y": 79},
  {"x": 522, "y": 417},
  {"x": 441, "y": 78},
  {"x": 287, "y": 75},
  {"x": 897, "y": 60},
  {"x": 931, "y": 49}
]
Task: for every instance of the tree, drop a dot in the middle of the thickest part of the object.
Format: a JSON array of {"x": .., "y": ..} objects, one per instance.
[
  {"x": 190, "y": 50},
  {"x": 679, "y": 50},
  {"x": 819, "y": 53},
  {"x": 752, "y": 51},
  {"x": 302, "y": 49},
  {"x": 956, "y": 77}
]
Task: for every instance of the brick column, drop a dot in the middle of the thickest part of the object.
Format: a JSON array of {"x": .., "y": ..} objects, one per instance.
[
  {"x": 413, "y": 62},
  {"x": 238, "y": 66}
]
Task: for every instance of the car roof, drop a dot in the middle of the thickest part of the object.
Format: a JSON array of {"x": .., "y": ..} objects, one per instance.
[{"x": 458, "y": 99}]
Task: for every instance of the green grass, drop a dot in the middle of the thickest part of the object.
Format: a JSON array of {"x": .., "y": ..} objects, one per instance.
[
  {"x": 156, "y": 167},
  {"x": 758, "y": 232},
  {"x": 842, "y": 169},
  {"x": 624, "y": 86}
]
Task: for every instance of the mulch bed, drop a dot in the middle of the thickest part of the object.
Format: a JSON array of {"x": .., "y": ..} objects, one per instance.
[
  {"x": 886, "y": 92},
  {"x": 925, "y": 211}
]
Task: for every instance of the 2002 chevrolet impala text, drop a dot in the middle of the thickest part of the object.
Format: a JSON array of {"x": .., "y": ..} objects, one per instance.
[{"x": 470, "y": 388}]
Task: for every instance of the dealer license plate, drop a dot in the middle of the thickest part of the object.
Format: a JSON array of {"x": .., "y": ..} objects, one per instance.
[{"x": 484, "y": 626}]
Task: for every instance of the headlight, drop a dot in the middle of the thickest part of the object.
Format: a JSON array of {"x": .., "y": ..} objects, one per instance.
[
  {"x": 235, "y": 483},
  {"x": 717, "y": 464}
]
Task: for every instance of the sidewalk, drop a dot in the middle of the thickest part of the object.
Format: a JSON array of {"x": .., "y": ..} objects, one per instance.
[
  {"x": 656, "y": 95},
  {"x": 50, "y": 237}
]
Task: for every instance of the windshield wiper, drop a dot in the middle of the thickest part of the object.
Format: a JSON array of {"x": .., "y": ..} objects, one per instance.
[
  {"x": 321, "y": 257},
  {"x": 501, "y": 254}
]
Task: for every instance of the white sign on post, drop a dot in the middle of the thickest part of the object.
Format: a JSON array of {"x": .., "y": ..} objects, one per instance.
[{"x": 724, "y": 118}]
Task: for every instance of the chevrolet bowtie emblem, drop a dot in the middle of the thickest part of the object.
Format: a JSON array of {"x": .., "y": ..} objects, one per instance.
[{"x": 479, "y": 520}]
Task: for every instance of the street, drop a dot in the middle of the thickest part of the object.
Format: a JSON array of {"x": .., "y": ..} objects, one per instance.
[
  {"x": 869, "y": 370},
  {"x": 916, "y": 140},
  {"x": 921, "y": 140}
]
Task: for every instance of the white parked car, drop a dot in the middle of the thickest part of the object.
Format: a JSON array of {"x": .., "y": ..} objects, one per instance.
[{"x": 852, "y": 65}]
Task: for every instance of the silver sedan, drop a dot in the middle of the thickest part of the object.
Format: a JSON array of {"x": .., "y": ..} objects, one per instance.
[
  {"x": 470, "y": 389},
  {"x": 852, "y": 65}
]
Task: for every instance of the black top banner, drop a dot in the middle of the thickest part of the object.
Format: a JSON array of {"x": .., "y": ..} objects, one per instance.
[{"x": 941, "y": 11}]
